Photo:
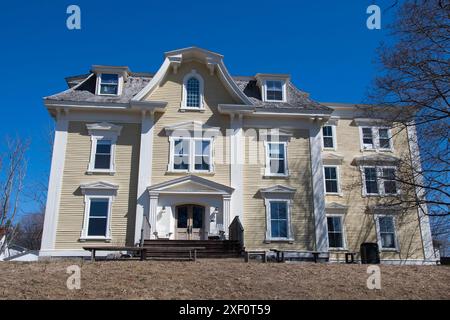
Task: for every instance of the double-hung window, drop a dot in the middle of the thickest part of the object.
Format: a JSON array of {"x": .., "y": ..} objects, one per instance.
[
  {"x": 181, "y": 154},
  {"x": 193, "y": 93},
  {"x": 274, "y": 90},
  {"x": 331, "y": 176},
  {"x": 386, "y": 232},
  {"x": 109, "y": 84},
  {"x": 335, "y": 232},
  {"x": 367, "y": 137},
  {"x": 98, "y": 217},
  {"x": 276, "y": 163},
  {"x": 375, "y": 138},
  {"x": 279, "y": 219},
  {"x": 380, "y": 181},
  {"x": 328, "y": 137},
  {"x": 191, "y": 155},
  {"x": 103, "y": 154}
]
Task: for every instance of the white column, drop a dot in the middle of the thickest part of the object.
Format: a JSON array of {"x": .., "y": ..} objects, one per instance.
[
  {"x": 422, "y": 211},
  {"x": 153, "y": 210},
  {"x": 226, "y": 214},
  {"x": 320, "y": 221},
  {"x": 145, "y": 171},
  {"x": 55, "y": 182},
  {"x": 237, "y": 167}
]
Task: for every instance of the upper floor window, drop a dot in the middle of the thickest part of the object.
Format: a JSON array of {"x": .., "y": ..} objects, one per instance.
[
  {"x": 331, "y": 176},
  {"x": 379, "y": 181},
  {"x": 192, "y": 91},
  {"x": 274, "y": 90},
  {"x": 102, "y": 154},
  {"x": 376, "y": 138},
  {"x": 387, "y": 239},
  {"x": 328, "y": 136},
  {"x": 103, "y": 145},
  {"x": 191, "y": 154},
  {"x": 109, "y": 84},
  {"x": 276, "y": 162}
]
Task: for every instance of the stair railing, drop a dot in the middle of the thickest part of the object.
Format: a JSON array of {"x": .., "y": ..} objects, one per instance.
[{"x": 145, "y": 231}]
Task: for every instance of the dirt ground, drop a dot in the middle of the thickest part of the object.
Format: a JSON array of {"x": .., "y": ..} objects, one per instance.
[{"x": 218, "y": 279}]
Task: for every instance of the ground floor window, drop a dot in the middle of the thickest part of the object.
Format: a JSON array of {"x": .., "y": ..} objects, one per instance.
[
  {"x": 386, "y": 232},
  {"x": 279, "y": 219},
  {"x": 98, "y": 217},
  {"x": 335, "y": 232}
]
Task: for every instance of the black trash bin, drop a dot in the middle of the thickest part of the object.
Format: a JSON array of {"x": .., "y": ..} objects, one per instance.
[{"x": 370, "y": 253}]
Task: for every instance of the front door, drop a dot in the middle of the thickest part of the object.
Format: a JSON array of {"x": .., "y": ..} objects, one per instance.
[{"x": 189, "y": 222}]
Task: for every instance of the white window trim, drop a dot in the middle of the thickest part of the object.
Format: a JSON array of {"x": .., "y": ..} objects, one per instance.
[
  {"x": 269, "y": 237},
  {"x": 264, "y": 90},
  {"x": 333, "y": 132},
  {"x": 377, "y": 227},
  {"x": 267, "y": 172},
  {"x": 381, "y": 191},
  {"x": 197, "y": 76},
  {"x": 375, "y": 138},
  {"x": 344, "y": 236},
  {"x": 338, "y": 177},
  {"x": 170, "y": 167},
  {"x": 87, "y": 207},
  {"x": 119, "y": 85}
]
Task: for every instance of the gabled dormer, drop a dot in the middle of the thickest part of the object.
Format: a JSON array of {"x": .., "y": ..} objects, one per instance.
[
  {"x": 110, "y": 79},
  {"x": 273, "y": 86}
]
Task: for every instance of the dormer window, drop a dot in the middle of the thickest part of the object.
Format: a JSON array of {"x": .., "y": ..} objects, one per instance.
[
  {"x": 274, "y": 90},
  {"x": 273, "y": 86},
  {"x": 193, "y": 87},
  {"x": 109, "y": 84}
]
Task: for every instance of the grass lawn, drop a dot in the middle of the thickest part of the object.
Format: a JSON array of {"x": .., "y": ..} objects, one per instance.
[{"x": 218, "y": 279}]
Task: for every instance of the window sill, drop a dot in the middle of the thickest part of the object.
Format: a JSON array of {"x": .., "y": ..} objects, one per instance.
[
  {"x": 337, "y": 249},
  {"x": 338, "y": 194},
  {"x": 109, "y": 172},
  {"x": 179, "y": 173},
  {"x": 84, "y": 239},
  {"x": 284, "y": 176},
  {"x": 329, "y": 149},
  {"x": 184, "y": 109},
  {"x": 393, "y": 250},
  {"x": 290, "y": 241}
]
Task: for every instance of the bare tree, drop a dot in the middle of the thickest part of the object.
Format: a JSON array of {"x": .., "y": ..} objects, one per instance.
[
  {"x": 28, "y": 231},
  {"x": 414, "y": 86},
  {"x": 13, "y": 167}
]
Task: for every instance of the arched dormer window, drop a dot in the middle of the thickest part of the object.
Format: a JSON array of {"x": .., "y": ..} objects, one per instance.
[{"x": 192, "y": 91}]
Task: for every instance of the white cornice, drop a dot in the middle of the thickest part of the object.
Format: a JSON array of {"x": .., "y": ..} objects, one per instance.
[
  {"x": 103, "y": 126},
  {"x": 191, "y": 126},
  {"x": 98, "y": 185}
]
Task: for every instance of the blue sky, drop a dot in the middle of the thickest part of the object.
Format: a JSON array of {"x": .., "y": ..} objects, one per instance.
[{"x": 323, "y": 44}]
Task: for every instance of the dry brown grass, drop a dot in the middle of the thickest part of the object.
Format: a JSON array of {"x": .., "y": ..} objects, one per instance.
[{"x": 219, "y": 279}]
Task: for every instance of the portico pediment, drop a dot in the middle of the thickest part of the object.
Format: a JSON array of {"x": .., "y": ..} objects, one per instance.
[{"x": 190, "y": 185}]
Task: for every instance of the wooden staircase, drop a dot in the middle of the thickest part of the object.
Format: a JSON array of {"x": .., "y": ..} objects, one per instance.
[{"x": 213, "y": 248}]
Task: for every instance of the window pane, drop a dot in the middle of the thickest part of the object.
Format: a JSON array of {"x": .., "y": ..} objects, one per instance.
[
  {"x": 386, "y": 224},
  {"x": 99, "y": 208},
  {"x": 181, "y": 162},
  {"x": 102, "y": 161},
  {"x": 327, "y": 131},
  {"x": 330, "y": 173},
  {"x": 97, "y": 227},
  {"x": 276, "y": 150},
  {"x": 388, "y": 240},
  {"x": 384, "y": 140},
  {"x": 277, "y": 167},
  {"x": 201, "y": 163},
  {"x": 331, "y": 186},
  {"x": 367, "y": 136},
  {"x": 328, "y": 142},
  {"x": 109, "y": 78},
  {"x": 193, "y": 93},
  {"x": 371, "y": 180},
  {"x": 103, "y": 146}
]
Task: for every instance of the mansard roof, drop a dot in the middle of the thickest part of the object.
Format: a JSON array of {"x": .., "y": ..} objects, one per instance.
[{"x": 82, "y": 88}]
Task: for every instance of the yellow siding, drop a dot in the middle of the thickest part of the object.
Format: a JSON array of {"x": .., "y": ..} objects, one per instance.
[
  {"x": 71, "y": 213},
  {"x": 359, "y": 223},
  {"x": 170, "y": 90},
  {"x": 299, "y": 178}
]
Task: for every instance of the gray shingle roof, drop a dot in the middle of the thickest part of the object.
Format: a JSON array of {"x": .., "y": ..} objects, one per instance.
[{"x": 85, "y": 91}]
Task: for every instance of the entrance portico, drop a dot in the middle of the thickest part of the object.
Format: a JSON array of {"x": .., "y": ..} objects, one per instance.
[{"x": 189, "y": 207}]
